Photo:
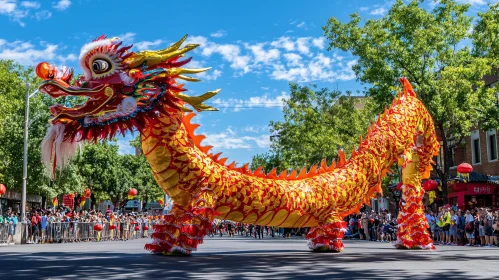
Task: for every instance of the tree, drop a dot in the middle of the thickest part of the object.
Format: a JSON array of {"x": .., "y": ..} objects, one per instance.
[
  {"x": 428, "y": 47},
  {"x": 316, "y": 124},
  {"x": 12, "y": 103},
  {"x": 486, "y": 44}
]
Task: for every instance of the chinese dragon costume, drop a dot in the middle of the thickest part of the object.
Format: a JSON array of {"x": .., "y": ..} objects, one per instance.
[{"x": 141, "y": 91}]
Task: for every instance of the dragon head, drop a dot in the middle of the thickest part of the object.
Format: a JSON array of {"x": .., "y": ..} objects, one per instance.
[{"x": 124, "y": 90}]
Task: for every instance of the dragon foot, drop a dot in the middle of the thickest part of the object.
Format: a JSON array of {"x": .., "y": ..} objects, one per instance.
[
  {"x": 327, "y": 238},
  {"x": 181, "y": 231}
]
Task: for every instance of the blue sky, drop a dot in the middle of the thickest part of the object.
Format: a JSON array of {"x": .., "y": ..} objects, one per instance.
[{"x": 255, "y": 48}]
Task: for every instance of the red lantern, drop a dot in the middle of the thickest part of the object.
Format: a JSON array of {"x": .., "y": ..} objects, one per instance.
[
  {"x": 161, "y": 202},
  {"x": 98, "y": 227},
  {"x": 112, "y": 227},
  {"x": 3, "y": 189},
  {"x": 132, "y": 193},
  {"x": 398, "y": 187},
  {"x": 146, "y": 227},
  {"x": 430, "y": 185},
  {"x": 137, "y": 228},
  {"x": 464, "y": 168}
]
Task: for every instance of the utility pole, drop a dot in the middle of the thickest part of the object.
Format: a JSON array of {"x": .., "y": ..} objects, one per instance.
[{"x": 25, "y": 156}]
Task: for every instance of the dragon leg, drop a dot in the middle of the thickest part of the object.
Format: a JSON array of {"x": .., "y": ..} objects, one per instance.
[
  {"x": 412, "y": 225},
  {"x": 181, "y": 231},
  {"x": 327, "y": 237}
]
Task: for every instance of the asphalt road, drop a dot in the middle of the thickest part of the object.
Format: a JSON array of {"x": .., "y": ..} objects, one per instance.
[{"x": 245, "y": 258}]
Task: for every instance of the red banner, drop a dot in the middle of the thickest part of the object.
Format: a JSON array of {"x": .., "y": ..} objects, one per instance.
[{"x": 68, "y": 201}]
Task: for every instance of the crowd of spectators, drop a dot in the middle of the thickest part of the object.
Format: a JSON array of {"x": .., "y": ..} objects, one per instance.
[
  {"x": 477, "y": 227},
  {"x": 372, "y": 226},
  {"x": 223, "y": 227},
  {"x": 61, "y": 224}
]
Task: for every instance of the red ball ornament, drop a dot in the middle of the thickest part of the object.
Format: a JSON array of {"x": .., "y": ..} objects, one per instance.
[
  {"x": 137, "y": 228},
  {"x": 3, "y": 189},
  {"x": 146, "y": 227},
  {"x": 112, "y": 227},
  {"x": 398, "y": 187},
  {"x": 430, "y": 185},
  {"x": 98, "y": 227}
]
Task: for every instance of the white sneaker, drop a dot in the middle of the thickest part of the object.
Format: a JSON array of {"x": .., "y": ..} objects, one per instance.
[{"x": 12, "y": 243}]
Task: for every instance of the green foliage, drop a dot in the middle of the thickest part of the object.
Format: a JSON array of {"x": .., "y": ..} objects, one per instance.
[
  {"x": 429, "y": 48},
  {"x": 316, "y": 124},
  {"x": 12, "y": 104}
]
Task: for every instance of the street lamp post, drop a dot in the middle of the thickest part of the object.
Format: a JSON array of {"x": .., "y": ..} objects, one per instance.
[{"x": 25, "y": 157}]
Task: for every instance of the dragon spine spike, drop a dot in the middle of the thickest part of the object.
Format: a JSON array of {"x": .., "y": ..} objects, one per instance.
[
  {"x": 205, "y": 149},
  {"x": 231, "y": 165},
  {"x": 282, "y": 175},
  {"x": 313, "y": 170},
  {"x": 323, "y": 166},
  {"x": 303, "y": 173},
  {"x": 222, "y": 161},
  {"x": 216, "y": 156},
  {"x": 341, "y": 158},
  {"x": 273, "y": 173},
  {"x": 258, "y": 171},
  {"x": 293, "y": 174}
]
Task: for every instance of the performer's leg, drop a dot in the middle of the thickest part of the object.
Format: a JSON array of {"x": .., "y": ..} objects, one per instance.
[
  {"x": 327, "y": 237},
  {"x": 182, "y": 229}
]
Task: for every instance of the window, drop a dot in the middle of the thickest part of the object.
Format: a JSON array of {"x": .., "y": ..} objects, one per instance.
[
  {"x": 491, "y": 145},
  {"x": 475, "y": 147}
]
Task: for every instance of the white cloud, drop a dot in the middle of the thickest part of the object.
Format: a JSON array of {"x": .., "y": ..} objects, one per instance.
[
  {"x": 293, "y": 59},
  {"x": 27, "y": 54},
  {"x": 473, "y": 2},
  {"x": 378, "y": 11},
  {"x": 127, "y": 37},
  {"x": 43, "y": 15},
  {"x": 320, "y": 68},
  {"x": 302, "y": 45},
  {"x": 301, "y": 24},
  {"x": 145, "y": 45},
  {"x": 219, "y": 34},
  {"x": 319, "y": 42},
  {"x": 10, "y": 8},
  {"x": 363, "y": 9},
  {"x": 264, "y": 101},
  {"x": 62, "y": 5},
  {"x": 261, "y": 55},
  {"x": 7, "y": 6},
  {"x": 30, "y": 4},
  {"x": 284, "y": 43},
  {"x": 231, "y": 139},
  {"x": 255, "y": 128}
]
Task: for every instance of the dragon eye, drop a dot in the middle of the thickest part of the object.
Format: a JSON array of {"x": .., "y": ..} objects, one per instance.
[{"x": 100, "y": 66}]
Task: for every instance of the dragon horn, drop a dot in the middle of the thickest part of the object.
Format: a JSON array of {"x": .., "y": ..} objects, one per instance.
[
  {"x": 197, "y": 101},
  {"x": 173, "y": 47},
  {"x": 189, "y": 79}
]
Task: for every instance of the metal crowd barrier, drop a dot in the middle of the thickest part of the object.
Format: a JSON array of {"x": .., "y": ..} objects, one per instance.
[
  {"x": 59, "y": 232},
  {"x": 4, "y": 232}
]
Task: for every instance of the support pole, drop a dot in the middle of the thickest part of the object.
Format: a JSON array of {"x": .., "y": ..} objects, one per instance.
[{"x": 25, "y": 157}]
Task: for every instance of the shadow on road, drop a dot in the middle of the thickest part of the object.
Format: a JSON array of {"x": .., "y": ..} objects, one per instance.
[{"x": 260, "y": 264}]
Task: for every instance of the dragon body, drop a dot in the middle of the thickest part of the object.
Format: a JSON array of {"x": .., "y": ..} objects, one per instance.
[{"x": 139, "y": 91}]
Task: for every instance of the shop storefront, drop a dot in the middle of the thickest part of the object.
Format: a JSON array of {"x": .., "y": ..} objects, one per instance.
[
  {"x": 13, "y": 200},
  {"x": 473, "y": 194}
]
